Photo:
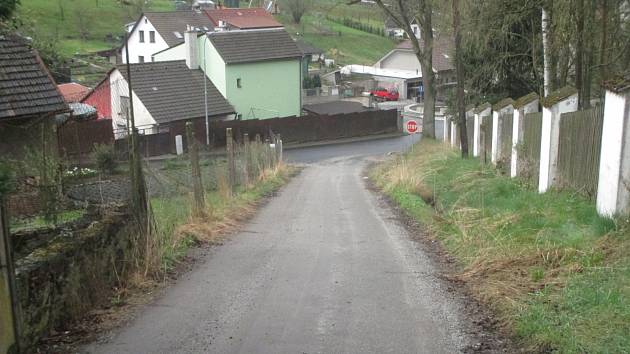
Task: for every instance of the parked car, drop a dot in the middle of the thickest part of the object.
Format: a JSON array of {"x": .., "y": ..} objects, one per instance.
[{"x": 383, "y": 94}]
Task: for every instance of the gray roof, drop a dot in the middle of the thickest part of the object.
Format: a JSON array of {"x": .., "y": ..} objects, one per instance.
[
  {"x": 308, "y": 49},
  {"x": 171, "y": 91},
  {"x": 26, "y": 87},
  {"x": 249, "y": 46},
  {"x": 166, "y": 23}
]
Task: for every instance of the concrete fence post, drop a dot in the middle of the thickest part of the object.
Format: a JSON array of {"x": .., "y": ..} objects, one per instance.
[
  {"x": 9, "y": 333},
  {"x": 562, "y": 101},
  {"x": 613, "y": 191},
  {"x": 453, "y": 134},
  {"x": 505, "y": 106},
  {"x": 475, "y": 132},
  {"x": 524, "y": 105}
]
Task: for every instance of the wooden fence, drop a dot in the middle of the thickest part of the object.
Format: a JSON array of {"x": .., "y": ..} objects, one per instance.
[
  {"x": 529, "y": 149},
  {"x": 77, "y": 138},
  {"x": 470, "y": 128},
  {"x": 485, "y": 145},
  {"x": 505, "y": 143},
  {"x": 292, "y": 129},
  {"x": 579, "y": 150}
]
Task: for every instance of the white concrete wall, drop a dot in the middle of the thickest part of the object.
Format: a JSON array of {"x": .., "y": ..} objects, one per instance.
[
  {"x": 550, "y": 139},
  {"x": 146, "y": 49},
  {"x": 495, "y": 136},
  {"x": 612, "y": 194},
  {"x": 142, "y": 117}
]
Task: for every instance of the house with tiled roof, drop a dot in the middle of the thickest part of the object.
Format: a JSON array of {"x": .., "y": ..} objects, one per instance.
[
  {"x": 29, "y": 99},
  {"x": 403, "y": 58},
  {"x": 164, "y": 93},
  {"x": 156, "y": 31},
  {"x": 242, "y": 18},
  {"x": 258, "y": 71},
  {"x": 73, "y": 92}
]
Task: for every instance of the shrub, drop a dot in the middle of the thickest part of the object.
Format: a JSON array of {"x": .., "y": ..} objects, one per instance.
[{"x": 105, "y": 158}]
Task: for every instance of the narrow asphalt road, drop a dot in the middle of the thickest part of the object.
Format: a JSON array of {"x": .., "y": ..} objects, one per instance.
[{"x": 324, "y": 267}]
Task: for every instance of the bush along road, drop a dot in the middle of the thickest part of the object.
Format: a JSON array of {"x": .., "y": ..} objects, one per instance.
[{"x": 556, "y": 273}]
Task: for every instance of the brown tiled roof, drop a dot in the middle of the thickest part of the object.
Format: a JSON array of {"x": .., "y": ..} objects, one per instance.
[
  {"x": 171, "y": 91},
  {"x": 73, "y": 92},
  {"x": 442, "y": 52},
  {"x": 249, "y": 46},
  {"x": 167, "y": 23},
  {"x": 26, "y": 87},
  {"x": 244, "y": 18}
]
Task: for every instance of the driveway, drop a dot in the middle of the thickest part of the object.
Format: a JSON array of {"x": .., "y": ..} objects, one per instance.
[{"x": 324, "y": 267}]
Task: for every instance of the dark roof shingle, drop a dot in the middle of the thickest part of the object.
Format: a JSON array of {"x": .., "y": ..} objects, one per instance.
[
  {"x": 249, "y": 46},
  {"x": 26, "y": 87},
  {"x": 171, "y": 91},
  {"x": 167, "y": 23}
]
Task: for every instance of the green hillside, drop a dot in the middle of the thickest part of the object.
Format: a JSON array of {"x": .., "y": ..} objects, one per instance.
[{"x": 81, "y": 26}]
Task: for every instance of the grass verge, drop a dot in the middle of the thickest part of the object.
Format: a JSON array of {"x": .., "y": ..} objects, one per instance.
[{"x": 556, "y": 273}]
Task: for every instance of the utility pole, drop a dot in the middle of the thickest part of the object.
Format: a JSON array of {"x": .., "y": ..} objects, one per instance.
[
  {"x": 9, "y": 333},
  {"x": 138, "y": 188}
]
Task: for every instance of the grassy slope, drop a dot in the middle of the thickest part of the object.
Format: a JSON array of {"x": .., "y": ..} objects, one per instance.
[
  {"x": 106, "y": 18},
  {"x": 556, "y": 272}
]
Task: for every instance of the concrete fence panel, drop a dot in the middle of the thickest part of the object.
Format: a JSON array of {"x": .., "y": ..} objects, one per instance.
[{"x": 579, "y": 150}]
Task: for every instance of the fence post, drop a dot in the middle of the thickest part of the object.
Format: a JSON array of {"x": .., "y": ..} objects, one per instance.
[
  {"x": 562, "y": 101},
  {"x": 613, "y": 192},
  {"x": 193, "y": 153},
  {"x": 229, "y": 143},
  {"x": 453, "y": 133},
  {"x": 524, "y": 105},
  {"x": 481, "y": 112},
  {"x": 9, "y": 333},
  {"x": 248, "y": 159},
  {"x": 278, "y": 149}
]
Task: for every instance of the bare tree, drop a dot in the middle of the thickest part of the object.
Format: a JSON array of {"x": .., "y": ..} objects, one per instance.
[
  {"x": 403, "y": 12},
  {"x": 297, "y": 8},
  {"x": 459, "y": 71}
]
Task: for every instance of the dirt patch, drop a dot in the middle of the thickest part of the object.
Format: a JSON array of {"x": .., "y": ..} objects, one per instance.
[
  {"x": 126, "y": 303},
  {"x": 481, "y": 323}
]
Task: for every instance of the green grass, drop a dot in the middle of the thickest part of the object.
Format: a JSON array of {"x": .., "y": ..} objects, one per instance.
[
  {"x": 557, "y": 274},
  {"x": 62, "y": 20},
  {"x": 39, "y": 221},
  {"x": 351, "y": 47}
]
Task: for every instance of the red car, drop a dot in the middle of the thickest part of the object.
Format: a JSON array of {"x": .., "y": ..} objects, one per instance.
[{"x": 382, "y": 94}]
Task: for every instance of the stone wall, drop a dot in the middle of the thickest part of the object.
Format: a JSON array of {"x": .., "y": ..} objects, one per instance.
[{"x": 73, "y": 273}]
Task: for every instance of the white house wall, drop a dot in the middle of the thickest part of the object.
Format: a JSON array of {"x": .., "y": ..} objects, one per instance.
[
  {"x": 119, "y": 87},
  {"x": 145, "y": 49},
  {"x": 401, "y": 60},
  {"x": 177, "y": 52}
]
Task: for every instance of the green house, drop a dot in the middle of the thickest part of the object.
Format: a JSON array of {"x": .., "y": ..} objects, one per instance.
[{"x": 258, "y": 71}]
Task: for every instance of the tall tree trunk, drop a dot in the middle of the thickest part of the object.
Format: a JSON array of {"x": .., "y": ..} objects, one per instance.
[
  {"x": 579, "y": 53},
  {"x": 546, "y": 25},
  {"x": 428, "y": 77},
  {"x": 603, "y": 50},
  {"x": 459, "y": 71}
]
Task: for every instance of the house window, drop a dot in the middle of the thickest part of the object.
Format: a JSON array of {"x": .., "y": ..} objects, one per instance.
[
  {"x": 141, "y": 33},
  {"x": 152, "y": 36},
  {"x": 238, "y": 83},
  {"x": 140, "y": 59},
  {"x": 124, "y": 108}
]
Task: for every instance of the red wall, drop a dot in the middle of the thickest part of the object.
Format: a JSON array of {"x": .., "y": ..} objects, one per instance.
[{"x": 100, "y": 98}]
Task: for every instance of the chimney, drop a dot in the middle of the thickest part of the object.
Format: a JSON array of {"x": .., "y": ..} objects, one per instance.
[{"x": 190, "y": 44}]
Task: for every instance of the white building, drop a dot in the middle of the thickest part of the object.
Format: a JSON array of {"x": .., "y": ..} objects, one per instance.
[{"x": 157, "y": 31}]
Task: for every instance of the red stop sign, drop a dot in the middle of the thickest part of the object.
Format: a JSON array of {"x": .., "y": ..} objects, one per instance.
[{"x": 412, "y": 126}]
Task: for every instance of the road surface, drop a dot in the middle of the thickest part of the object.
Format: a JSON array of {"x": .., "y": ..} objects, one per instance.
[{"x": 324, "y": 267}]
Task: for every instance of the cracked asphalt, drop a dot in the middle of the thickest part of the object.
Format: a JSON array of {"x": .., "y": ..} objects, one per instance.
[{"x": 324, "y": 267}]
